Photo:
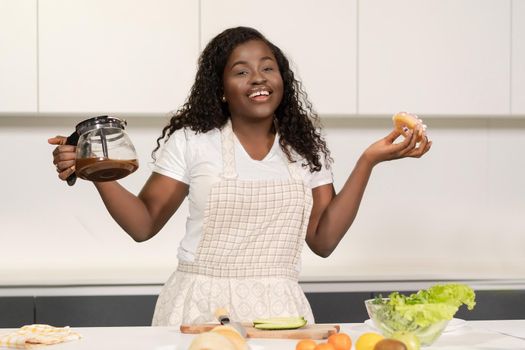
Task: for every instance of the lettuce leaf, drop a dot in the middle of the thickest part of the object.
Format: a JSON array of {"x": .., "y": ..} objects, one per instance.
[{"x": 437, "y": 303}]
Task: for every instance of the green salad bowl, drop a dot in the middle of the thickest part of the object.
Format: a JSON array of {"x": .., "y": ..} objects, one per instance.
[{"x": 388, "y": 322}]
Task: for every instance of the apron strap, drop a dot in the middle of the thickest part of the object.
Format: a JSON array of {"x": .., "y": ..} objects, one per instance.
[
  {"x": 292, "y": 168},
  {"x": 228, "y": 151}
]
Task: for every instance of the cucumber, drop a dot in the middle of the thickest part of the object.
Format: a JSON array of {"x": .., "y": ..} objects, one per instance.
[{"x": 279, "y": 323}]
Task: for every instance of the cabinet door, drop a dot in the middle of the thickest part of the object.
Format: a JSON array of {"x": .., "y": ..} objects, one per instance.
[
  {"x": 338, "y": 307},
  {"x": 135, "y": 56},
  {"x": 319, "y": 38},
  {"x": 16, "y": 311},
  {"x": 95, "y": 310},
  {"x": 434, "y": 57},
  {"x": 518, "y": 57},
  {"x": 496, "y": 305},
  {"x": 18, "y": 56}
]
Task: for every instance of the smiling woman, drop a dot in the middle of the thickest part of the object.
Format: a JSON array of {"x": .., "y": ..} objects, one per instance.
[
  {"x": 246, "y": 149},
  {"x": 253, "y": 87}
]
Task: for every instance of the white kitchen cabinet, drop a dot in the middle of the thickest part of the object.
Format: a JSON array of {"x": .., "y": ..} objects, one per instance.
[
  {"x": 124, "y": 56},
  {"x": 434, "y": 57},
  {"x": 518, "y": 57},
  {"x": 318, "y": 37},
  {"x": 18, "y": 56}
]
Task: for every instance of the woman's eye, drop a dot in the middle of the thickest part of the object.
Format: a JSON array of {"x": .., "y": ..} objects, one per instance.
[
  {"x": 268, "y": 69},
  {"x": 242, "y": 72}
]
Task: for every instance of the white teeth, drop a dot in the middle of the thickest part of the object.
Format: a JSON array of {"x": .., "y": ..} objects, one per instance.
[{"x": 259, "y": 93}]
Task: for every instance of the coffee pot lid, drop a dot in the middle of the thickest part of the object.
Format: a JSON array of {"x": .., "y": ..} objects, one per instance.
[{"x": 100, "y": 122}]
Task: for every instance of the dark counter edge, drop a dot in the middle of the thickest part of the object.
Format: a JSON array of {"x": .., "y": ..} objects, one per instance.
[{"x": 137, "y": 310}]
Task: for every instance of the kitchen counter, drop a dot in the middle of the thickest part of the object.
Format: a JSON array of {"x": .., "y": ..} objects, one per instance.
[{"x": 482, "y": 335}]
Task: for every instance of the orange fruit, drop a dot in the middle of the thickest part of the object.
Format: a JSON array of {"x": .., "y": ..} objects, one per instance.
[
  {"x": 340, "y": 341},
  {"x": 367, "y": 341},
  {"x": 324, "y": 346},
  {"x": 305, "y": 344}
]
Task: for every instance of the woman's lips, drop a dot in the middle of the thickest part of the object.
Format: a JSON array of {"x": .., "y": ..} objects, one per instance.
[{"x": 260, "y": 96}]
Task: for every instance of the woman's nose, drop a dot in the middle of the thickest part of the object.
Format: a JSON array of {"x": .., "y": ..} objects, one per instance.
[{"x": 258, "y": 78}]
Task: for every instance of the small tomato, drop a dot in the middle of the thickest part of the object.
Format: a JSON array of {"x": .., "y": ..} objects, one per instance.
[
  {"x": 340, "y": 341},
  {"x": 305, "y": 344},
  {"x": 324, "y": 346}
]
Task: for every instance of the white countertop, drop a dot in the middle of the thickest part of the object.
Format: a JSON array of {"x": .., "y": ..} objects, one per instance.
[{"x": 481, "y": 335}]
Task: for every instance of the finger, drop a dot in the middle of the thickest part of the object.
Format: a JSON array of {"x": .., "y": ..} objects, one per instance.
[
  {"x": 408, "y": 144},
  {"x": 425, "y": 144},
  {"x": 416, "y": 153},
  {"x": 57, "y": 140},
  {"x": 390, "y": 138},
  {"x": 66, "y": 151},
  {"x": 422, "y": 148},
  {"x": 423, "y": 138},
  {"x": 416, "y": 133},
  {"x": 66, "y": 173},
  {"x": 398, "y": 150},
  {"x": 427, "y": 148},
  {"x": 64, "y": 164}
]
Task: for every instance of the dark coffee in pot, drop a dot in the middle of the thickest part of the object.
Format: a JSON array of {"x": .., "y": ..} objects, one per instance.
[{"x": 103, "y": 169}]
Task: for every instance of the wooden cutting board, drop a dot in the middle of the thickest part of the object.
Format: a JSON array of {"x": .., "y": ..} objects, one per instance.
[{"x": 314, "y": 331}]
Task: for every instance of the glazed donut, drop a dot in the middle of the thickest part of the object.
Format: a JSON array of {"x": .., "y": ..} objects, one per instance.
[{"x": 404, "y": 121}]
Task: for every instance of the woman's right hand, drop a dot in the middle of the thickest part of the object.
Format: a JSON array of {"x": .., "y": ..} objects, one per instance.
[
  {"x": 386, "y": 149},
  {"x": 64, "y": 156}
]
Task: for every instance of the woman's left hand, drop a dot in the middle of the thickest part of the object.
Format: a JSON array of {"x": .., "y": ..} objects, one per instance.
[{"x": 385, "y": 149}]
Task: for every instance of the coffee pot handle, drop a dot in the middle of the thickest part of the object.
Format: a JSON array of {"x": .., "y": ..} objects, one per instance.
[{"x": 72, "y": 140}]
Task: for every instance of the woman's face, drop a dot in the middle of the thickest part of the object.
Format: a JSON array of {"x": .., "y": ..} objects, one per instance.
[{"x": 253, "y": 86}]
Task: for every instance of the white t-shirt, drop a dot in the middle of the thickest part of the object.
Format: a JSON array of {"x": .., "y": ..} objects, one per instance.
[{"x": 196, "y": 159}]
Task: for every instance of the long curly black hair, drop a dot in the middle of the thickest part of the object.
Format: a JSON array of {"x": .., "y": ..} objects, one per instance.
[{"x": 297, "y": 123}]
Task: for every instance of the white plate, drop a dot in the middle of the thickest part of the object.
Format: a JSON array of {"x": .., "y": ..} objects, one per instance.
[
  {"x": 453, "y": 325},
  {"x": 371, "y": 325}
]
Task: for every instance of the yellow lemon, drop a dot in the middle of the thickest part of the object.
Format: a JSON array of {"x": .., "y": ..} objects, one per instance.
[{"x": 367, "y": 341}]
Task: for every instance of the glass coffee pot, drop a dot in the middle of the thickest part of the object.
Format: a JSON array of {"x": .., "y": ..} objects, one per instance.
[{"x": 104, "y": 150}]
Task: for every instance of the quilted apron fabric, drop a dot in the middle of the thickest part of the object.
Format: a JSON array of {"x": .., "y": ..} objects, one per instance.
[{"x": 248, "y": 257}]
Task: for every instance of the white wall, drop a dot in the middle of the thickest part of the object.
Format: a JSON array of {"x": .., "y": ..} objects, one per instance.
[{"x": 457, "y": 213}]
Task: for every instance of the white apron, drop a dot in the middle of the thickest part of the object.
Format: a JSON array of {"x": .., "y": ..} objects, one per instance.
[{"x": 248, "y": 258}]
